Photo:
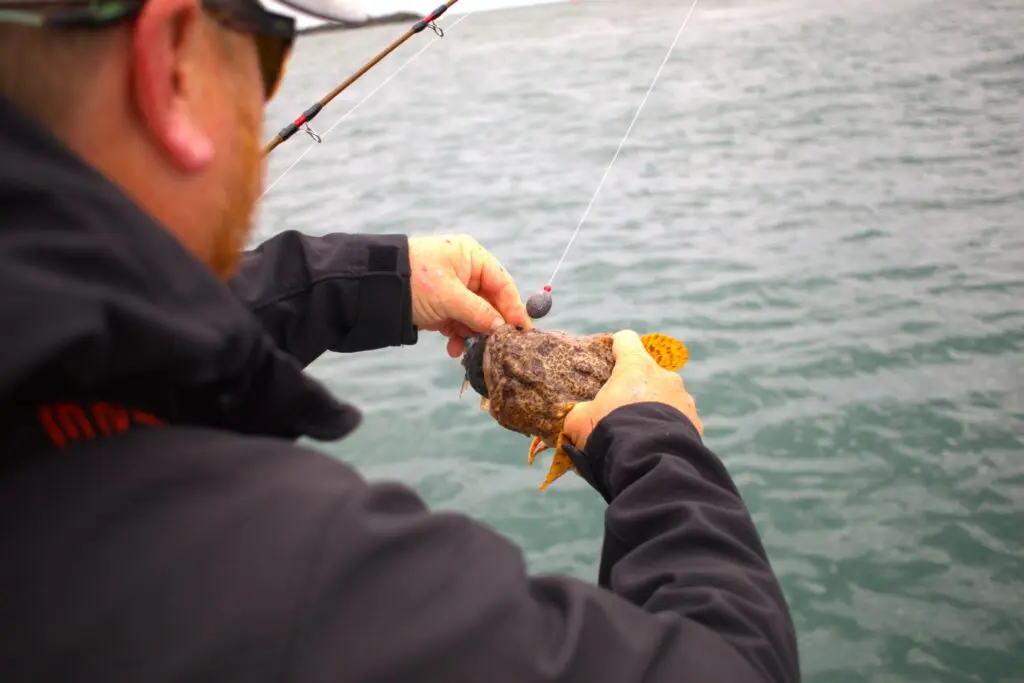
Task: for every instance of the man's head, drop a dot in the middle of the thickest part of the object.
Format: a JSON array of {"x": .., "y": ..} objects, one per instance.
[{"x": 165, "y": 97}]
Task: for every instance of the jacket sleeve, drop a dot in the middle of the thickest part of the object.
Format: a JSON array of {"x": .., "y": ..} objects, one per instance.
[
  {"x": 339, "y": 292},
  {"x": 402, "y": 594}
]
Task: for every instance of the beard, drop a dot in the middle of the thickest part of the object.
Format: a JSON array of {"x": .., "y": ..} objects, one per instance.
[{"x": 242, "y": 191}]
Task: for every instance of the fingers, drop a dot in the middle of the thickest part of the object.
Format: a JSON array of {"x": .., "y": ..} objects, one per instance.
[
  {"x": 460, "y": 289},
  {"x": 454, "y": 328},
  {"x": 456, "y": 333},
  {"x": 498, "y": 287},
  {"x": 625, "y": 343},
  {"x": 471, "y": 310},
  {"x": 456, "y": 346},
  {"x": 629, "y": 351}
]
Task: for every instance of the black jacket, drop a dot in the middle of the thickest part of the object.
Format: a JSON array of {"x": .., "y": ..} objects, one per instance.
[{"x": 159, "y": 523}]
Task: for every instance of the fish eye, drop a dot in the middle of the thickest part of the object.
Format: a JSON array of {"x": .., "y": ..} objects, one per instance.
[{"x": 519, "y": 327}]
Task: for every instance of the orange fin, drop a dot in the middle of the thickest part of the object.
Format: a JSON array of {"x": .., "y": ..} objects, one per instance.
[
  {"x": 536, "y": 446},
  {"x": 667, "y": 352},
  {"x": 560, "y": 464}
]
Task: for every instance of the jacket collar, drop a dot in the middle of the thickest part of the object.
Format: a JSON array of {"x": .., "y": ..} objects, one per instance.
[{"x": 98, "y": 299}]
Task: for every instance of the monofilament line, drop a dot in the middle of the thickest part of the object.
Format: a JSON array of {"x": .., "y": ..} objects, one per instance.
[
  {"x": 361, "y": 103},
  {"x": 625, "y": 137}
]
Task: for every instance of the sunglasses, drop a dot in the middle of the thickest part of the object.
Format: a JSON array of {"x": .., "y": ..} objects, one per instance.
[{"x": 274, "y": 34}]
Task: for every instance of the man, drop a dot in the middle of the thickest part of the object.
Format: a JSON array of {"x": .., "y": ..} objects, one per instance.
[{"x": 159, "y": 522}]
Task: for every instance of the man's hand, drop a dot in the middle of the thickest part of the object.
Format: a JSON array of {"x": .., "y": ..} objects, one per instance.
[
  {"x": 636, "y": 378},
  {"x": 460, "y": 290}
]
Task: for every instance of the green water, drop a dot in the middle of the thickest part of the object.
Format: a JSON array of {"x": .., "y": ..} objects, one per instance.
[{"x": 825, "y": 200}]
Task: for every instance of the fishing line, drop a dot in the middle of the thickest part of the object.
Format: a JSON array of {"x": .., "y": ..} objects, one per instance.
[
  {"x": 319, "y": 137},
  {"x": 539, "y": 304}
]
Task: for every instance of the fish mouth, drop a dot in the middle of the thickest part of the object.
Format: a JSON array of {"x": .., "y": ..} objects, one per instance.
[{"x": 473, "y": 362}]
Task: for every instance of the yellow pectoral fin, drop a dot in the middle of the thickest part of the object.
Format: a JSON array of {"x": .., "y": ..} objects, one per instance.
[{"x": 667, "y": 352}]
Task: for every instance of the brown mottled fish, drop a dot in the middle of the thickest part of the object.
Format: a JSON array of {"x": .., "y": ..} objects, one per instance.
[{"x": 529, "y": 380}]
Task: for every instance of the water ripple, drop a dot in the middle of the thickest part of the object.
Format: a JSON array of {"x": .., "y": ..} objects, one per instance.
[{"x": 823, "y": 199}]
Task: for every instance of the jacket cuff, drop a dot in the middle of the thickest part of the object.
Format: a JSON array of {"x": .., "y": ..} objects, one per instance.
[
  {"x": 384, "y": 288},
  {"x": 656, "y": 421}
]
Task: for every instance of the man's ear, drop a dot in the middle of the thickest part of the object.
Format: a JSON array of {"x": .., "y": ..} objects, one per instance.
[{"x": 168, "y": 49}]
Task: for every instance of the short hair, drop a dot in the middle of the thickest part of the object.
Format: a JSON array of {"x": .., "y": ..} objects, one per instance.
[{"x": 47, "y": 72}]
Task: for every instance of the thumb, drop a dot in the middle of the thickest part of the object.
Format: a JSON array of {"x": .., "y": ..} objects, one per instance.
[
  {"x": 627, "y": 349},
  {"x": 470, "y": 309}
]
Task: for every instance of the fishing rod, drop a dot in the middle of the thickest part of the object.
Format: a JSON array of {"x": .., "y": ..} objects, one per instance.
[
  {"x": 318, "y": 137},
  {"x": 302, "y": 121},
  {"x": 539, "y": 304}
]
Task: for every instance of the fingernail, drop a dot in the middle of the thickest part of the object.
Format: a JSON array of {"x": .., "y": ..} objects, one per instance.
[{"x": 496, "y": 323}]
